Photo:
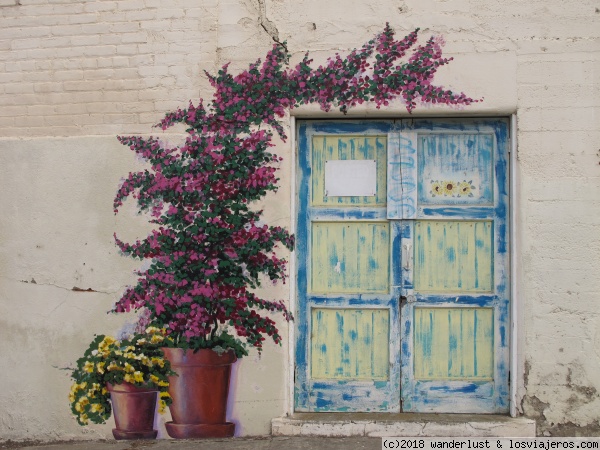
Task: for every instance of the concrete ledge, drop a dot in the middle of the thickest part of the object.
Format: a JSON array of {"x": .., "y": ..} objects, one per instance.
[{"x": 382, "y": 425}]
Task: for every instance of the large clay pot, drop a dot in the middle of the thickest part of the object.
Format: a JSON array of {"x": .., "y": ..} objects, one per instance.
[
  {"x": 133, "y": 409},
  {"x": 199, "y": 391}
]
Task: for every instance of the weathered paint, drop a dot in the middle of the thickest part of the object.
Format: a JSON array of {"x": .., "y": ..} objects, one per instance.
[
  {"x": 456, "y": 158},
  {"x": 454, "y": 343},
  {"x": 458, "y": 272},
  {"x": 429, "y": 425},
  {"x": 446, "y": 258},
  {"x": 350, "y": 257},
  {"x": 453, "y": 256},
  {"x": 332, "y": 147},
  {"x": 402, "y": 176},
  {"x": 350, "y": 344},
  {"x": 347, "y": 312}
]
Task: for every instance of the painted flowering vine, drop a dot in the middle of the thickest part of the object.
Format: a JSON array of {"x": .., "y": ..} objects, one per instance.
[{"x": 210, "y": 250}]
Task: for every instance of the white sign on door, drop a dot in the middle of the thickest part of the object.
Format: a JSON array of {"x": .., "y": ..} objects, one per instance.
[{"x": 351, "y": 178}]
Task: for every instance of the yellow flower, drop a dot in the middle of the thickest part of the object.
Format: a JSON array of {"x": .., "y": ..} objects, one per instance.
[
  {"x": 129, "y": 368},
  {"x": 128, "y": 378},
  {"x": 154, "y": 379},
  {"x": 80, "y": 405},
  {"x": 164, "y": 395},
  {"x": 113, "y": 366},
  {"x": 152, "y": 330},
  {"x": 163, "y": 383},
  {"x": 162, "y": 405},
  {"x": 464, "y": 188},
  {"x": 100, "y": 367},
  {"x": 138, "y": 377},
  {"x": 145, "y": 360},
  {"x": 84, "y": 418},
  {"x": 156, "y": 339},
  {"x": 96, "y": 407},
  {"x": 104, "y": 346},
  {"x": 450, "y": 187},
  {"x": 71, "y": 397},
  {"x": 88, "y": 366},
  {"x": 436, "y": 188},
  {"x": 141, "y": 341},
  {"x": 158, "y": 361},
  {"x": 108, "y": 340},
  {"x": 104, "y": 391}
]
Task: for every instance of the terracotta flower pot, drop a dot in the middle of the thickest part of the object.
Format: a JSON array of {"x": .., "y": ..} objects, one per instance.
[
  {"x": 199, "y": 393},
  {"x": 133, "y": 409}
]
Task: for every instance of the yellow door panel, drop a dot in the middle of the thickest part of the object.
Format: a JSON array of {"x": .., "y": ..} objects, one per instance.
[
  {"x": 454, "y": 343},
  {"x": 453, "y": 256},
  {"x": 350, "y": 344},
  {"x": 327, "y": 148},
  {"x": 350, "y": 257}
]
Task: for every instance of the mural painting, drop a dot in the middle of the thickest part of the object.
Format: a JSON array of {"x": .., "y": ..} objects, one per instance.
[{"x": 210, "y": 250}]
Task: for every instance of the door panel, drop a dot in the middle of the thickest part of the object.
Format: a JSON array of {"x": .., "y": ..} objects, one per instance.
[
  {"x": 347, "y": 148},
  {"x": 453, "y": 256},
  {"x": 402, "y": 293},
  {"x": 350, "y": 257},
  {"x": 455, "y": 264},
  {"x": 347, "y": 352},
  {"x": 454, "y": 343},
  {"x": 455, "y": 169},
  {"x": 350, "y": 344}
]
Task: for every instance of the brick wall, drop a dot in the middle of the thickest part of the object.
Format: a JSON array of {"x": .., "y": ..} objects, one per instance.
[{"x": 90, "y": 67}]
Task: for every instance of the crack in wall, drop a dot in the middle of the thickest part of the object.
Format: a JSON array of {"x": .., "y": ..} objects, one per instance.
[
  {"x": 73, "y": 289},
  {"x": 269, "y": 27}
]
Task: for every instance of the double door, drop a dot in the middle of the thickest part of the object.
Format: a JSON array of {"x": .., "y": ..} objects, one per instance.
[{"x": 402, "y": 258}]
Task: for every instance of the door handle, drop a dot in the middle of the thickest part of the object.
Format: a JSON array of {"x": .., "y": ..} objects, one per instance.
[{"x": 407, "y": 256}]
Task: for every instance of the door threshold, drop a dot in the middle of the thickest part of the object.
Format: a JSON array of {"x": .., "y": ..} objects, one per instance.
[{"x": 402, "y": 424}]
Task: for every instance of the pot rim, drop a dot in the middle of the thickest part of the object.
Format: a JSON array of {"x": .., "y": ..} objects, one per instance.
[
  {"x": 203, "y": 357},
  {"x": 130, "y": 388}
]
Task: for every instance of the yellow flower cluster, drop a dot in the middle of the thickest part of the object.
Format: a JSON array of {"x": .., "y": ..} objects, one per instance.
[
  {"x": 104, "y": 346},
  {"x": 81, "y": 397},
  {"x": 135, "y": 377},
  {"x": 75, "y": 388},
  {"x": 137, "y": 360},
  {"x": 155, "y": 330},
  {"x": 451, "y": 188},
  {"x": 162, "y": 404}
]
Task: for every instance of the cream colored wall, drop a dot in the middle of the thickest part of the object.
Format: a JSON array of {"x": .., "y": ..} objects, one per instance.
[{"x": 73, "y": 74}]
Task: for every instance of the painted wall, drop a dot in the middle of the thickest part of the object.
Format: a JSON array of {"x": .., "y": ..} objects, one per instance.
[{"x": 73, "y": 74}]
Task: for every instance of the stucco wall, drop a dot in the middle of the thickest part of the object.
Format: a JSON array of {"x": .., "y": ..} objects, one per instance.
[{"x": 73, "y": 74}]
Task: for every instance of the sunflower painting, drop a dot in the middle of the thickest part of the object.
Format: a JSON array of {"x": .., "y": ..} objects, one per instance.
[
  {"x": 436, "y": 188},
  {"x": 448, "y": 188}
]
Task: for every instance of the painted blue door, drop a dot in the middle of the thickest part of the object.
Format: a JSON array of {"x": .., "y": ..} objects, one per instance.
[
  {"x": 402, "y": 266},
  {"x": 348, "y": 261}
]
